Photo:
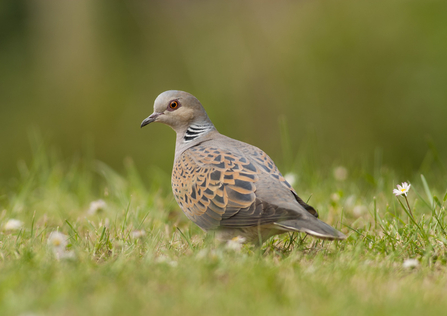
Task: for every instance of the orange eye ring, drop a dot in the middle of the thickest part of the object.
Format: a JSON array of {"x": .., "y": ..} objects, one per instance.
[{"x": 173, "y": 105}]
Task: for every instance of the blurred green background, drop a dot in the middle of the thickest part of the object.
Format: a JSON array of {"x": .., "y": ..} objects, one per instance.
[{"x": 345, "y": 78}]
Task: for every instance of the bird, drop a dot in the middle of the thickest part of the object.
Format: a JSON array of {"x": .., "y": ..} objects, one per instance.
[{"x": 227, "y": 186}]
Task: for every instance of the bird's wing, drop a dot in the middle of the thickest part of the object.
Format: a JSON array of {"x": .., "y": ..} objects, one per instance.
[
  {"x": 261, "y": 159},
  {"x": 216, "y": 188}
]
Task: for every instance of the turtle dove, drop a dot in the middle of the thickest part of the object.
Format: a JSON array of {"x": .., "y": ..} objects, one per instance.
[{"x": 228, "y": 186}]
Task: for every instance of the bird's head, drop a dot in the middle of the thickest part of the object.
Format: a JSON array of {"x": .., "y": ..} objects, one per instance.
[{"x": 178, "y": 109}]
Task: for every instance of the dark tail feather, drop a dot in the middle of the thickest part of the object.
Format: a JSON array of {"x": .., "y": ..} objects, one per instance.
[
  {"x": 313, "y": 227},
  {"x": 306, "y": 206}
]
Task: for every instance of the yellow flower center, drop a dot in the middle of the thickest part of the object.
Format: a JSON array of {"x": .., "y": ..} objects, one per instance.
[{"x": 402, "y": 190}]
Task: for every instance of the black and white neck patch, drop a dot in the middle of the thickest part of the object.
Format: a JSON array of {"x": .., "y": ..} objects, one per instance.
[{"x": 195, "y": 131}]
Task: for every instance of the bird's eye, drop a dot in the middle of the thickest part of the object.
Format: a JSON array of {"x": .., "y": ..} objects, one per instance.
[{"x": 173, "y": 105}]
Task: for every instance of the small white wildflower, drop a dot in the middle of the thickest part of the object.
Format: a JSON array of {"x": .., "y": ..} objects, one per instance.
[
  {"x": 335, "y": 197},
  {"x": 13, "y": 224},
  {"x": 57, "y": 240},
  {"x": 137, "y": 234},
  {"x": 96, "y": 206},
  {"x": 167, "y": 260},
  {"x": 235, "y": 243},
  {"x": 402, "y": 189},
  {"x": 350, "y": 201},
  {"x": 290, "y": 178},
  {"x": 162, "y": 259},
  {"x": 202, "y": 254},
  {"x": 340, "y": 173},
  {"x": 359, "y": 210},
  {"x": 410, "y": 263}
]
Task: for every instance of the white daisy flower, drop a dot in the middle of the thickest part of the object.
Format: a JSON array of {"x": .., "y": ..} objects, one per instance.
[
  {"x": 340, "y": 173},
  {"x": 13, "y": 224},
  {"x": 137, "y": 234},
  {"x": 402, "y": 189},
  {"x": 290, "y": 178},
  {"x": 410, "y": 263},
  {"x": 167, "y": 260},
  {"x": 57, "y": 240},
  {"x": 335, "y": 197},
  {"x": 235, "y": 243},
  {"x": 96, "y": 206},
  {"x": 359, "y": 210}
]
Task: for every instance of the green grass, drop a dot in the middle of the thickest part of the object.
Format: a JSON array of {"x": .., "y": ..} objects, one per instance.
[{"x": 175, "y": 269}]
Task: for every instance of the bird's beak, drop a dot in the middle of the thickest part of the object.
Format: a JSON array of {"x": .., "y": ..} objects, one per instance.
[{"x": 150, "y": 119}]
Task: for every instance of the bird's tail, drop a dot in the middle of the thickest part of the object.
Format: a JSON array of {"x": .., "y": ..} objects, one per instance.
[{"x": 311, "y": 226}]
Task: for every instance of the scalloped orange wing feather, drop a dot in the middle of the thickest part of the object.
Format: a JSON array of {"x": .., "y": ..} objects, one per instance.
[{"x": 216, "y": 188}]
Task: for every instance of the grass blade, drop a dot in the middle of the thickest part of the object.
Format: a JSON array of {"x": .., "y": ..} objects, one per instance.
[
  {"x": 427, "y": 190},
  {"x": 187, "y": 239},
  {"x": 72, "y": 228}
]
